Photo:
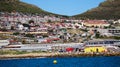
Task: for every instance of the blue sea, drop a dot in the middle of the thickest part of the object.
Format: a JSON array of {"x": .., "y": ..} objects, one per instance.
[{"x": 63, "y": 62}]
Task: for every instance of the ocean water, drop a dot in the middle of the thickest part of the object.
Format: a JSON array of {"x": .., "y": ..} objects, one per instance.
[{"x": 63, "y": 62}]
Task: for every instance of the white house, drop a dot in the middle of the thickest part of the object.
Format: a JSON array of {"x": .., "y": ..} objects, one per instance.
[
  {"x": 20, "y": 27},
  {"x": 4, "y": 43}
]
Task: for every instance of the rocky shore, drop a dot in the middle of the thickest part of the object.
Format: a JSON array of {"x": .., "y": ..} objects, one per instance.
[{"x": 39, "y": 55}]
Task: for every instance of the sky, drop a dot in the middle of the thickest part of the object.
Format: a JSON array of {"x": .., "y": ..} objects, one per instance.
[{"x": 65, "y": 7}]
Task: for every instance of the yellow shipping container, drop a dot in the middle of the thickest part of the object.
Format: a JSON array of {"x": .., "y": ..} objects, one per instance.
[{"x": 94, "y": 49}]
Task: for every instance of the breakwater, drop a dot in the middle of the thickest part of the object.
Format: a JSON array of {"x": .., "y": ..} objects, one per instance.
[{"x": 57, "y": 54}]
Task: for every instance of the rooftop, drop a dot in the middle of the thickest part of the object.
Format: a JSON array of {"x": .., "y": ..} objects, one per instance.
[{"x": 95, "y": 22}]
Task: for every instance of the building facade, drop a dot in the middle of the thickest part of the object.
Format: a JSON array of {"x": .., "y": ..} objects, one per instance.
[
  {"x": 109, "y": 32},
  {"x": 95, "y": 23}
]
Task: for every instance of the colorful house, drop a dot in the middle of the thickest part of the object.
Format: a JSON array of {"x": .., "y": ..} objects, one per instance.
[{"x": 89, "y": 49}]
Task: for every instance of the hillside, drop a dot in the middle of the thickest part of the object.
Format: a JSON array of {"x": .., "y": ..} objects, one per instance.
[
  {"x": 16, "y": 5},
  {"x": 109, "y": 9}
]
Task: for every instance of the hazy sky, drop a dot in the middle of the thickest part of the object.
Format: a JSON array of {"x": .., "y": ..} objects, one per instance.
[{"x": 65, "y": 7}]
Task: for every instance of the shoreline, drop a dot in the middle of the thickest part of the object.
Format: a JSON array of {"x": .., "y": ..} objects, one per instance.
[{"x": 50, "y": 55}]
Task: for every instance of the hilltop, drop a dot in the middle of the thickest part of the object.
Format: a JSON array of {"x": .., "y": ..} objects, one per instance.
[
  {"x": 17, "y": 5},
  {"x": 109, "y": 9}
]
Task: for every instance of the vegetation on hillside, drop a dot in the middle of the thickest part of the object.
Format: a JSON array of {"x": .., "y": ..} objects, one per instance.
[
  {"x": 109, "y": 9},
  {"x": 19, "y": 6}
]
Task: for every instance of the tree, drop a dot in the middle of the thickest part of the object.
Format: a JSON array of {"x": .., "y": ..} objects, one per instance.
[
  {"x": 97, "y": 35},
  {"x": 31, "y": 21},
  {"x": 12, "y": 28},
  {"x": 49, "y": 21},
  {"x": 16, "y": 33},
  {"x": 29, "y": 35},
  {"x": 3, "y": 29}
]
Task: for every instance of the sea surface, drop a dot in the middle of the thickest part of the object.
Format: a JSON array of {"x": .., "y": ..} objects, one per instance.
[{"x": 63, "y": 62}]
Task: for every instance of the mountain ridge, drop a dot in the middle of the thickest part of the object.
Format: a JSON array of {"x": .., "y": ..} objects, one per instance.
[
  {"x": 109, "y": 9},
  {"x": 19, "y": 6}
]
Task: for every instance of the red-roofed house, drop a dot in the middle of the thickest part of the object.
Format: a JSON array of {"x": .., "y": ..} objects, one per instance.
[{"x": 96, "y": 23}]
